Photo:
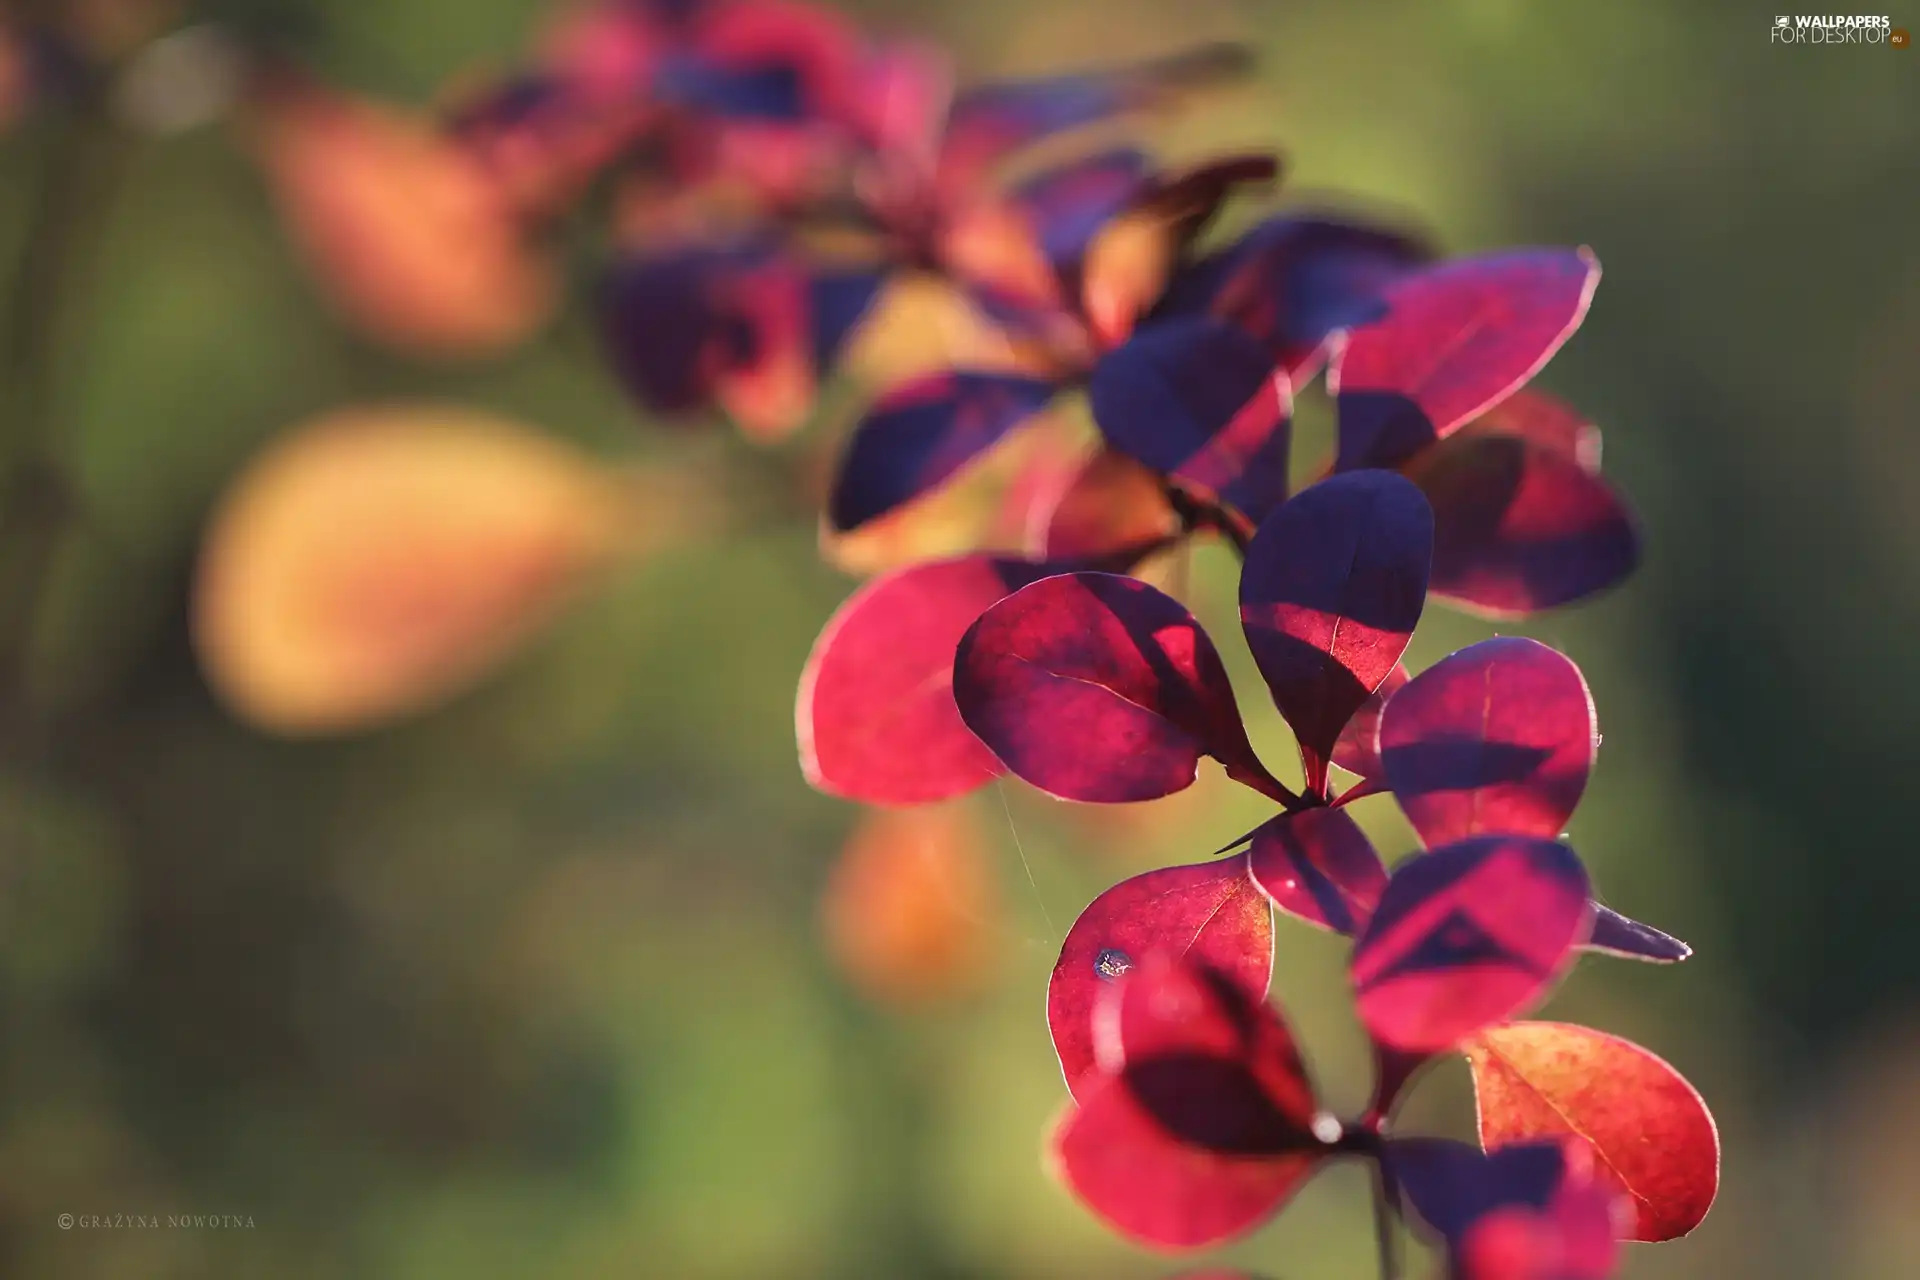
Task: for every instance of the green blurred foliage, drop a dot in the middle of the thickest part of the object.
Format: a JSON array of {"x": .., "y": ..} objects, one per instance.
[{"x": 532, "y": 987}]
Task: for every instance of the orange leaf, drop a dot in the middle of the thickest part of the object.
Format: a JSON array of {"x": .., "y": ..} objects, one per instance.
[
  {"x": 1649, "y": 1129},
  {"x": 908, "y": 906},
  {"x": 408, "y": 234},
  {"x": 375, "y": 562}
]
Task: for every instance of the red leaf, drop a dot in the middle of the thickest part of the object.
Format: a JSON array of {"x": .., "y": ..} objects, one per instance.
[
  {"x": 1470, "y": 934},
  {"x": 1318, "y": 865},
  {"x": 1358, "y": 748},
  {"x": 875, "y": 716},
  {"x": 1456, "y": 340},
  {"x": 1109, "y": 504},
  {"x": 1097, "y": 687},
  {"x": 1497, "y": 737},
  {"x": 1543, "y": 420},
  {"x": 1520, "y": 527},
  {"x": 1210, "y": 912},
  {"x": 1650, "y": 1131},
  {"x": 1331, "y": 591},
  {"x": 1208, "y": 1126}
]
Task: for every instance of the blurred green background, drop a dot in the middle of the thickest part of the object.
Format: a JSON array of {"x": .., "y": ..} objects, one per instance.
[{"x": 534, "y": 986}]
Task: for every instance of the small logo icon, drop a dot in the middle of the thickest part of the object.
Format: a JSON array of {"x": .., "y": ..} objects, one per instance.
[
  {"x": 1783, "y": 21},
  {"x": 1899, "y": 38},
  {"x": 65, "y": 1221}
]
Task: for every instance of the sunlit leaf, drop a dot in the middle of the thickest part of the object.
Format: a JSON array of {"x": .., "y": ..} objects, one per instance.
[
  {"x": 1357, "y": 750},
  {"x": 1296, "y": 278},
  {"x": 1318, "y": 865},
  {"x": 1332, "y": 587},
  {"x": 1203, "y": 1125},
  {"x": 1520, "y": 527},
  {"x": 875, "y": 717},
  {"x": 1097, "y": 687},
  {"x": 1200, "y": 403},
  {"x": 1210, "y": 913},
  {"x": 1469, "y": 934},
  {"x": 406, "y": 232},
  {"x": 375, "y": 562},
  {"x": 1107, "y": 503},
  {"x": 1533, "y": 1211},
  {"x": 920, "y": 434},
  {"x": 1498, "y": 737},
  {"x": 1457, "y": 339},
  {"x": 1650, "y": 1131},
  {"x": 911, "y": 905}
]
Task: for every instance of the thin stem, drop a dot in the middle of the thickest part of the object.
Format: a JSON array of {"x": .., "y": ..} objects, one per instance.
[{"x": 1386, "y": 1199}]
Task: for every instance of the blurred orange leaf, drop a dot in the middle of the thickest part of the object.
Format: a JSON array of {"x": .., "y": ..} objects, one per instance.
[
  {"x": 910, "y": 907},
  {"x": 375, "y": 562},
  {"x": 409, "y": 235}
]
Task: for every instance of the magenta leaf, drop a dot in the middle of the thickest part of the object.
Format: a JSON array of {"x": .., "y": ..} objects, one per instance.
[
  {"x": 1318, "y": 865},
  {"x": 1453, "y": 1184},
  {"x": 1520, "y": 527},
  {"x": 1457, "y": 339},
  {"x": 1358, "y": 748},
  {"x": 1469, "y": 934},
  {"x": 1068, "y": 205},
  {"x": 1331, "y": 590},
  {"x": 1546, "y": 421},
  {"x": 1203, "y": 1125},
  {"x": 1097, "y": 687},
  {"x": 1617, "y": 935},
  {"x": 1208, "y": 913},
  {"x": 875, "y": 717},
  {"x": 920, "y": 434},
  {"x": 1295, "y": 279},
  {"x": 1498, "y": 737},
  {"x": 1201, "y": 403}
]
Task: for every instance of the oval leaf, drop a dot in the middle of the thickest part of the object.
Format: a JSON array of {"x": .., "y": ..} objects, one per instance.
[
  {"x": 1318, "y": 865},
  {"x": 1456, "y": 340},
  {"x": 1519, "y": 527},
  {"x": 1210, "y": 913},
  {"x": 1330, "y": 593},
  {"x": 1295, "y": 279},
  {"x": 1109, "y": 503},
  {"x": 875, "y": 716},
  {"x": 919, "y": 435},
  {"x": 1357, "y": 750},
  {"x": 1499, "y": 736},
  {"x": 909, "y": 905},
  {"x": 1200, "y": 403},
  {"x": 1532, "y": 1211},
  {"x": 374, "y": 563},
  {"x": 1470, "y": 934},
  {"x": 407, "y": 232},
  {"x": 1649, "y": 1129},
  {"x": 1096, "y": 687},
  {"x": 1206, "y": 1130}
]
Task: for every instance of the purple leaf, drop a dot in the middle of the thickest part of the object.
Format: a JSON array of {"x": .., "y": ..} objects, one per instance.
[
  {"x": 1331, "y": 590},
  {"x": 1201, "y": 403},
  {"x": 1294, "y": 279},
  {"x": 1068, "y": 205},
  {"x": 1358, "y": 748},
  {"x": 875, "y": 717},
  {"x": 1467, "y": 935},
  {"x": 1456, "y": 340},
  {"x": 1451, "y": 1185},
  {"x": 1520, "y": 527},
  {"x": 1498, "y": 737},
  {"x": 1617, "y": 935},
  {"x": 1209, "y": 913},
  {"x": 1097, "y": 687},
  {"x": 1318, "y": 865},
  {"x": 1201, "y": 1124},
  {"x": 920, "y": 434}
]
